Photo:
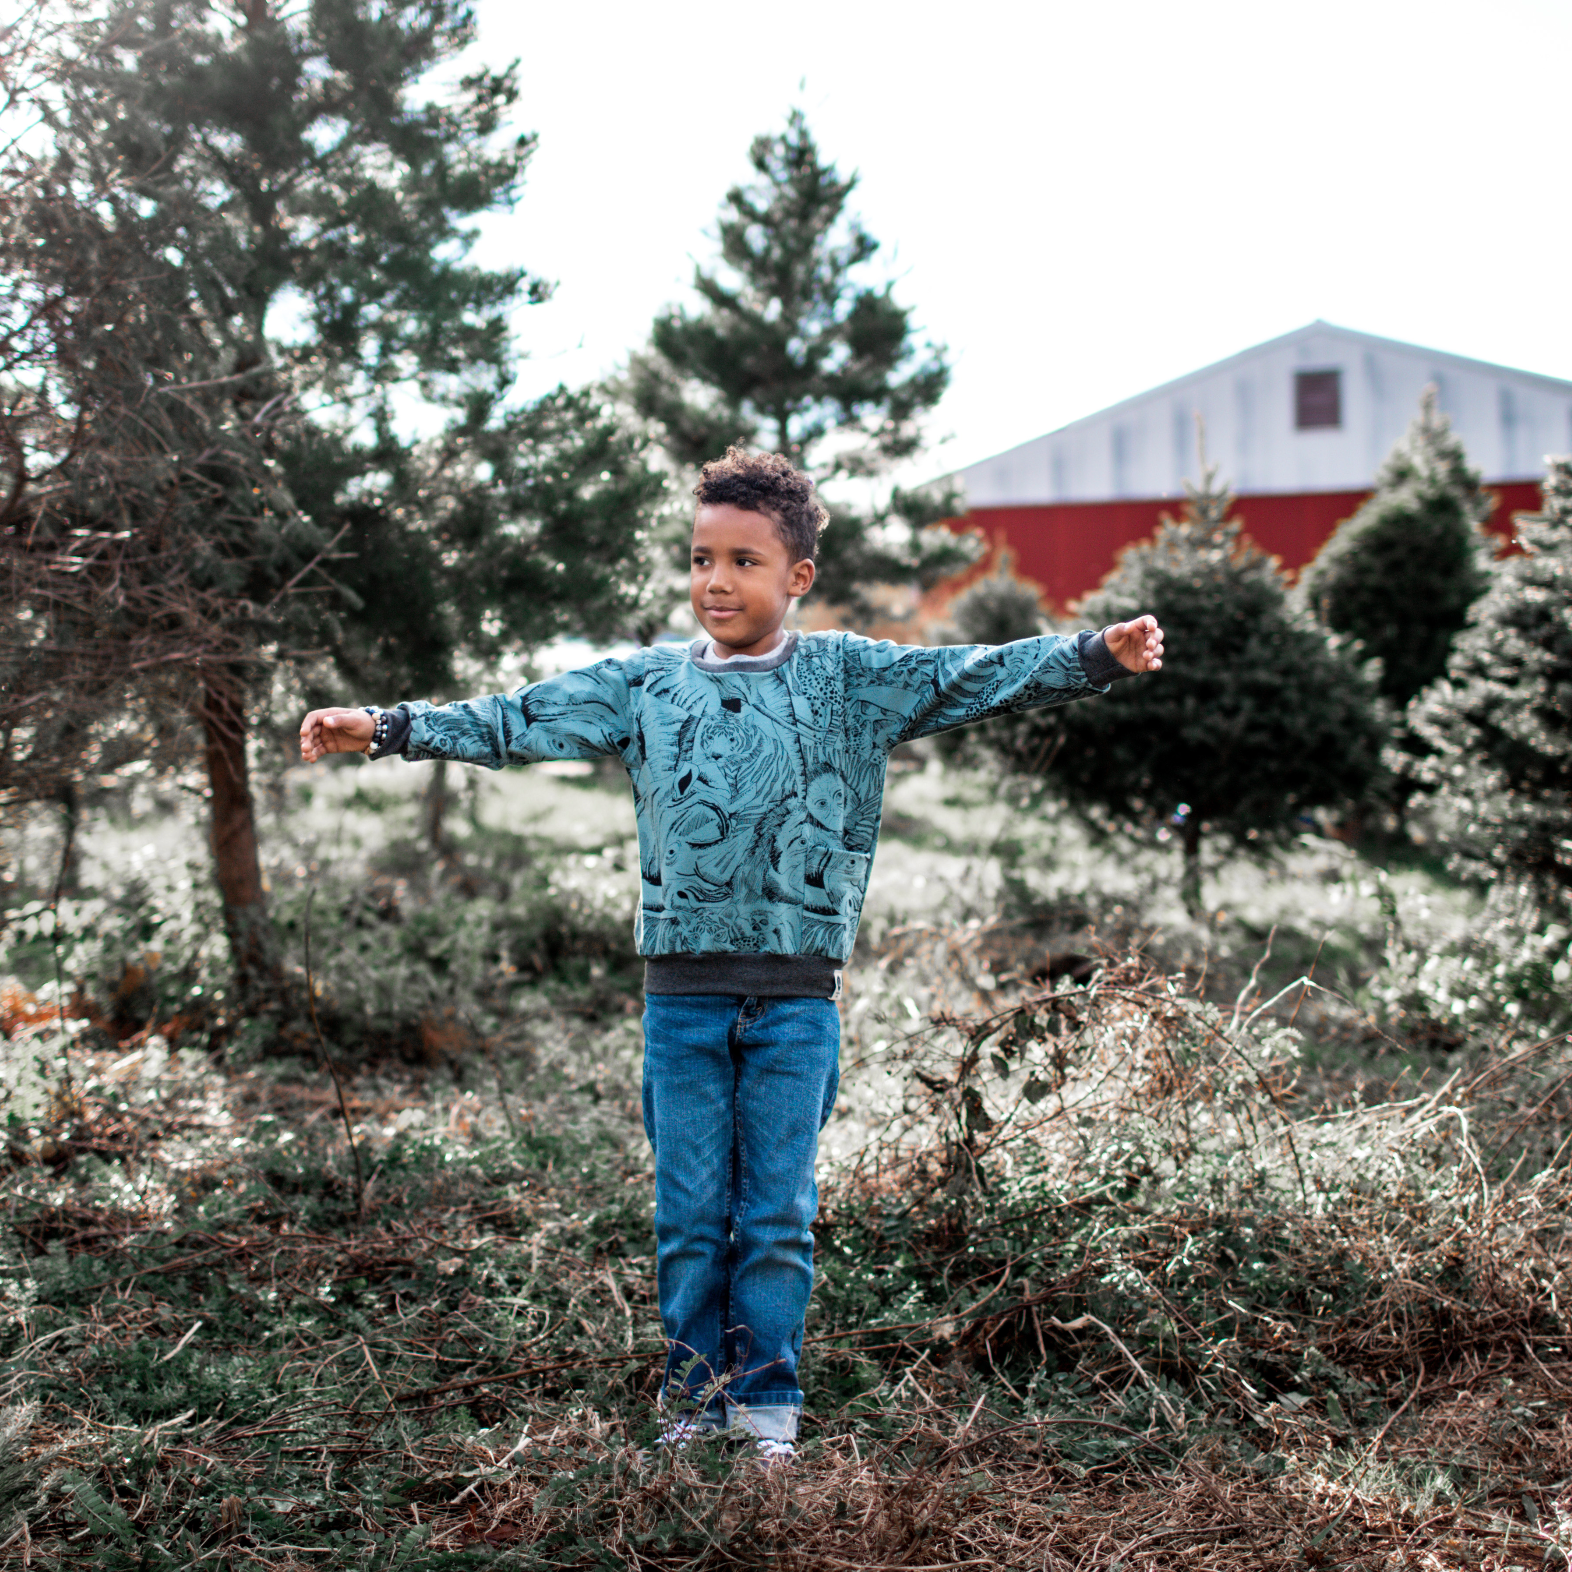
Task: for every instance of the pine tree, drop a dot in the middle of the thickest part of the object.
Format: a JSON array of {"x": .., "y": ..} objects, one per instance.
[
  {"x": 1254, "y": 719},
  {"x": 1499, "y": 723},
  {"x": 1400, "y": 575},
  {"x": 792, "y": 349},
  {"x": 151, "y": 548},
  {"x": 288, "y": 176}
]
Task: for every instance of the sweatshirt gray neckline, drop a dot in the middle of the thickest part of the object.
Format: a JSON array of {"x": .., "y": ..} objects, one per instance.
[{"x": 742, "y": 663}]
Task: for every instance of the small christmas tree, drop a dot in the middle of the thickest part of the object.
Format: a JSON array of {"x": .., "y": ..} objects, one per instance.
[
  {"x": 1499, "y": 723},
  {"x": 1400, "y": 575},
  {"x": 1254, "y": 719}
]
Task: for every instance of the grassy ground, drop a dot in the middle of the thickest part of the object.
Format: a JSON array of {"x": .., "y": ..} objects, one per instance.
[{"x": 1113, "y": 1274}]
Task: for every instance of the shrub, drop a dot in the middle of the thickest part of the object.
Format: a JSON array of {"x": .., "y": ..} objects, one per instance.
[
  {"x": 997, "y": 610},
  {"x": 1510, "y": 972}
]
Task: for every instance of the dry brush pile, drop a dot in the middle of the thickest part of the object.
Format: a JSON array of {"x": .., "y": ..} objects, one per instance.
[{"x": 1101, "y": 1292}]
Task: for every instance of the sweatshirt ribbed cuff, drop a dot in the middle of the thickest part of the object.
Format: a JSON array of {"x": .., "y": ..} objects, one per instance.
[
  {"x": 1100, "y": 667},
  {"x": 399, "y": 723}
]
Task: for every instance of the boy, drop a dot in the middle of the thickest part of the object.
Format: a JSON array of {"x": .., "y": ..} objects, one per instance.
[{"x": 757, "y": 759}]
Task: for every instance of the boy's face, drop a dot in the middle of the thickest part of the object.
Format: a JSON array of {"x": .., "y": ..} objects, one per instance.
[{"x": 742, "y": 579}]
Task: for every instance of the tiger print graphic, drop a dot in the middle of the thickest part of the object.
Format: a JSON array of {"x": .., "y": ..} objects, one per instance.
[{"x": 757, "y": 791}]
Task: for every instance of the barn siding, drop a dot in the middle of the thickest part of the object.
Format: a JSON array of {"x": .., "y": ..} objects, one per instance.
[
  {"x": 1067, "y": 549},
  {"x": 1145, "y": 447}
]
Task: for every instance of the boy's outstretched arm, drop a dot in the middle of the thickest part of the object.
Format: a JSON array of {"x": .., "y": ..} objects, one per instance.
[
  {"x": 1137, "y": 645},
  {"x": 915, "y": 691},
  {"x": 334, "y": 731},
  {"x": 579, "y": 714}
]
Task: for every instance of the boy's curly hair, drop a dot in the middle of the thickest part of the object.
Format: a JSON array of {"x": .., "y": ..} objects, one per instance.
[{"x": 766, "y": 483}]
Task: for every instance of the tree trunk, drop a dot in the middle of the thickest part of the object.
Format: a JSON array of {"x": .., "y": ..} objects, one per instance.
[
  {"x": 434, "y": 810},
  {"x": 70, "y": 819},
  {"x": 1190, "y": 882},
  {"x": 252, "y": 943}
]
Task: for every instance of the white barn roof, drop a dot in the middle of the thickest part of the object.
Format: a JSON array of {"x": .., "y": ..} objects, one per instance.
[{"x": 1315, "y": 410}]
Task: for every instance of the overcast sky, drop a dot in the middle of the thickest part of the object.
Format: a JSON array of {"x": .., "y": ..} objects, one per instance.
[{"x": 1080, "y": 200}]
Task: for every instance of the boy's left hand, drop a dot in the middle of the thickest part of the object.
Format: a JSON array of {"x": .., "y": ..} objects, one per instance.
[{"x": 1136, "y": 645}]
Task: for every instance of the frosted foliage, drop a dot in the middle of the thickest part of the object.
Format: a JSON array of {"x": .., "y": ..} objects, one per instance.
[{"x": 1500, "y": 721}]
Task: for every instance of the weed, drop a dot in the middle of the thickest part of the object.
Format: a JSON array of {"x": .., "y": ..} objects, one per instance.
[{"x": 1099, "y": 1286}]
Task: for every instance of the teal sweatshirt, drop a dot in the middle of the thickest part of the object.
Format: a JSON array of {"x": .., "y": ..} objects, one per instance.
[{"x": 757, "y": 782}]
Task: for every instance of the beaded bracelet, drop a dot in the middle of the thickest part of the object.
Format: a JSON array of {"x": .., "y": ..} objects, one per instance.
[{"x": 381, "y": 722}]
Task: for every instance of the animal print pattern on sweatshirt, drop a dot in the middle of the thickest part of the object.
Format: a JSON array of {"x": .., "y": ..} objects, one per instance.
[{"x": 757, "y": 793}]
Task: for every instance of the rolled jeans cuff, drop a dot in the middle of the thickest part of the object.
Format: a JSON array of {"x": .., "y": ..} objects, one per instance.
[{"x": 766, "y": 1421}]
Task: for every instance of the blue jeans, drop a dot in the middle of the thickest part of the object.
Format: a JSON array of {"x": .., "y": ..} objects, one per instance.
[{"x": 735, "y": 1094}]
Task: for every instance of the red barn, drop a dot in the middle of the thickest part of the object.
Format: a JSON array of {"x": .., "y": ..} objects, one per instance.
[{"x": 1298, "y": 425}]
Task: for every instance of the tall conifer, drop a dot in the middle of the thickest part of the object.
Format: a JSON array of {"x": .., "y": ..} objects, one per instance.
[
  {"x": 1400, "y": 575},
  {"x": 793, "y": 348},
  {"x": 303, "y": 202}
]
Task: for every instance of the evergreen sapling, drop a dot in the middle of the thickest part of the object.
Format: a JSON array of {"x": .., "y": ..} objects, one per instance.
[
  {"x": 1400, "y": 575},
  {"x": 1499, "y": 723},
  {"x": 1255, "y": 719},
  {"x": 997, "y": 610}
]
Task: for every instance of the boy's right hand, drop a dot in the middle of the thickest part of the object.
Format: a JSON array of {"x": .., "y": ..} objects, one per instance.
[{"x": 334, "y": 731}]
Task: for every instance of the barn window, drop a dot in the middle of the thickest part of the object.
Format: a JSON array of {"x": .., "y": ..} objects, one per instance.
[{"x": 1318, "y": 400}]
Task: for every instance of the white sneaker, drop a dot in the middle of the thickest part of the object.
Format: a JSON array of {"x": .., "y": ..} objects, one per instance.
[
  {"x": 774, "y": 1453},
  {"x": 678, "y": 1433}
]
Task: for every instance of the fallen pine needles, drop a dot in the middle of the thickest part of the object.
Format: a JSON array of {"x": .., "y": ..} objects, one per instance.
[{"x": 1097, "y": 1291}]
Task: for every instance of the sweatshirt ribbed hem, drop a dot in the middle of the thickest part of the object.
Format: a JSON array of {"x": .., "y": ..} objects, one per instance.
[{"x": 745, "y": 976}]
